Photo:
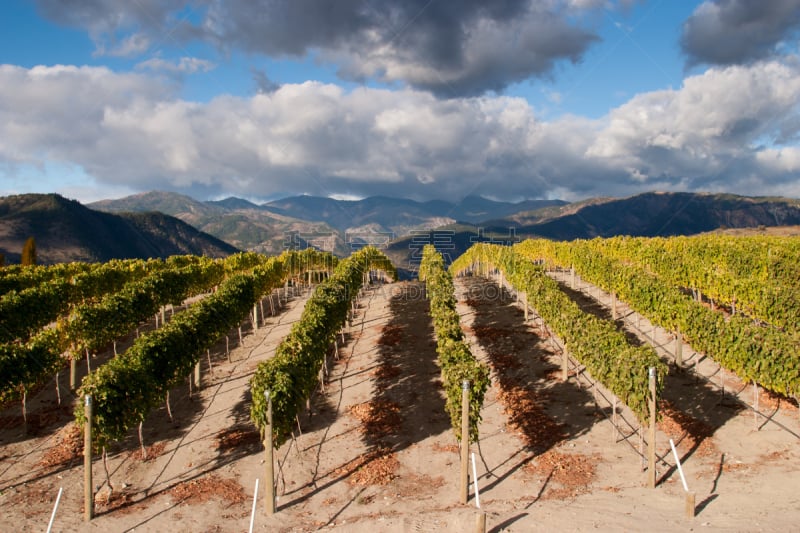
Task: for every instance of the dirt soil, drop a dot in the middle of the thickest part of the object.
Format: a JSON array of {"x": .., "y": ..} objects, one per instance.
[{"x": 375, "y": 452}]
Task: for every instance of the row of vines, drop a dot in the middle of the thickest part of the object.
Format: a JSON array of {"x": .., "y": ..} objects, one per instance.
[
  {"x": 754, "y": 352},
  {"x": 90, "y": 324},
  {"x": 597, "y": 344},
  {"x": 125, "y": 389},
  {"x": 755, "y": 275},
  {"x": 455, "y": 359},
  {"x": 292, "y": 374}
]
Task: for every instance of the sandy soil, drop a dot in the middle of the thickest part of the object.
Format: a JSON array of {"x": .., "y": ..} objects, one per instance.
[{"x": 376, "y": 453}]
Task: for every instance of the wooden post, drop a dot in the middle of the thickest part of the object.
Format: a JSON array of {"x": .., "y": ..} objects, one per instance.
[
  {"x": 572, "y": 277},
  {"x": 464, "y": 441},
  {"x": 255, "y": 317},
  {"x": 73, "y": 371},
  {"x": 641, "y": 447},
  {"x": 197, "y": 375},
  {"x": 480, "y": 523},
  {"x": 269, "y": 485},
  {"x": 755, "y": 405},
  {"x": 651, "y": 438},
  {"x": 88, "y": 489},
  {"x": 690, "y": 506},
  {"x": 564, "y": 364},
  {"x": 25, "y": 412},
  {"x": 678, "y": 349},
  {"x": 525, "y": 303}
]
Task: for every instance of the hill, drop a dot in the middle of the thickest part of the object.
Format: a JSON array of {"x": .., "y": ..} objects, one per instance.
[
  {"x": 236, "y": 221},
  {"x": 400, "y": 215},
  {"x": 654, "y": 214},
  {"x": 66, "y": 230},
  {"x": 334, "y": 225}
]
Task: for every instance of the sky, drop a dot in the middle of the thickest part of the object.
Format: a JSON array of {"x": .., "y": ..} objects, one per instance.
[{"x": 423, "y": 99}]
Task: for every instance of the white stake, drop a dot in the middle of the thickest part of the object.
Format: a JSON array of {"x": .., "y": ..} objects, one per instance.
[
  {"x": 678, "y": 461},
  {"x": 253, "y": 512},
  {"x": 55, "y": 508},
  {"x": 475, "y": 482}
]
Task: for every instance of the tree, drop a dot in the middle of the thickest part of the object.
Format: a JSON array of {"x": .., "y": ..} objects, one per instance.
[
  {"x": 29, "y": 252},
  {"x": 2, "y": 260}
]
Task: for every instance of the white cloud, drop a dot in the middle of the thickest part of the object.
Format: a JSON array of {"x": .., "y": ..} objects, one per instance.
[
  {"x": 726, "y": 129},
  {"x": 707, "y": 128}
]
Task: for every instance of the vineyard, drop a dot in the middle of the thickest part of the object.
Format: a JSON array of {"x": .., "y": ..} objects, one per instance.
[{"x": 193, "y": 364}]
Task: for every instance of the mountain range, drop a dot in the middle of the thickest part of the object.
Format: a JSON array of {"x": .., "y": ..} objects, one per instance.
[
  {"x": 163, "y": 223},
  {"x": 333, "y": 225}
]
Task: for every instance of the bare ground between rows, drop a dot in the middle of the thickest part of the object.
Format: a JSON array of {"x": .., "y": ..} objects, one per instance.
[
  {"x": 716, "y": 438},
  {"x": 700, "y": 399}
]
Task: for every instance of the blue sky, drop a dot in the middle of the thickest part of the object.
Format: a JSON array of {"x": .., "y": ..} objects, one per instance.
[{"x": 418, "y": 98}]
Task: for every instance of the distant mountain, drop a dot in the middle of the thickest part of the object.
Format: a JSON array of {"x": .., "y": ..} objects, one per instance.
[
  {"x": 232, "y": 202},
  {"x": 164, "y": 202},
  {"x": 477, "y": 210},
  {"x": 65, "y": 230},
  {"x": 646, "y": 215},
  {"x": 334, "y": 225},
  {"x": 400, "y": 215},
  {"x": 653, "y": 214},
  {"x": 236, "y": 221},
  {"x": 396, "y": 216}
]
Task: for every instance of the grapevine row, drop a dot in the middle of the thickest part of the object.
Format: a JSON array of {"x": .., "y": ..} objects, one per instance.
[
  {"x": 291, "y": 375},
  {"x": 759, "y": 275},
  {"x": 23, "y": 365},
  {"x": 595, "y": 343},
  {"x": 21, "y": 277},
  {"x": 125, "y": 389},
  {"x": 26, "y": 311},
  {"x": 93, "y": 326},
  {"x": 455, "y": 359},
  {"x": 753, "y": 352}
]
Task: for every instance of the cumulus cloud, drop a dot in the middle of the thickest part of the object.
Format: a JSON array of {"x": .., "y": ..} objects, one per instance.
[
  {"x": 453, "y": 49},
  {"x": 709, "y": 130},
  {"x": 722, "y": 130},
  {"x": 726, "y": 32}
]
